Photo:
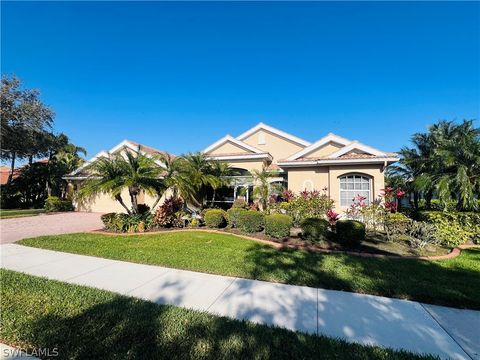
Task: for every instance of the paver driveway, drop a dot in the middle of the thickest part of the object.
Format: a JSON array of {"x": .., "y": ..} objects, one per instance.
[{"x": 15, "y": 229}]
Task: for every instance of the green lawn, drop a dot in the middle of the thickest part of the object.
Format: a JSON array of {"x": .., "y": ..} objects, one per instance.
[
  {"x": 86, "y": 323},
  {"x": 454, "y": 282},
  {"x": 7, "y": 214}
]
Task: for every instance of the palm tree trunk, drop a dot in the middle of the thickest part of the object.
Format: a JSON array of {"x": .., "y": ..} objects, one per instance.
[
  {"x": 133, "y": 198},
  {"x": 120, "y": 200},
  {"x": 157, "y": 200}
]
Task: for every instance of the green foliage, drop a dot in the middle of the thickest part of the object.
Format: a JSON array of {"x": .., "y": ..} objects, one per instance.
[
  {"x": 251, "y": 221},
  {"x": 240, "y": 204},
  {"x": 350, "y": 232},
  {"x": 454, "y": 228},
  {"x": 194, "y": 223},
  {"x": 167, "y": 215},
  {"x": 263, "y": 189},
  {"x": 314, "y": 229},
  {"x": 305, "y": 205},
  {"x": 55, "y": 204},
  {"x": 278, "y": 225},
  {"x": 396, "y": 224},
  {"x": 233, "y": 214},
  {"x": 120, "y": 222},
  {"x": 422, "y": 234},
  {"x": 215, "y": 218}
]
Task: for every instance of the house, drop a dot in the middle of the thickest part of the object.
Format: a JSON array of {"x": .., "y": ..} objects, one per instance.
[
  {"x": 341, "y": 167},
  {"x": 104, "y": 203}
]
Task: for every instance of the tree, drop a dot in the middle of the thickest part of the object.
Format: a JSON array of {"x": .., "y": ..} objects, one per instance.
[
  {"x": 221, "y": 172},
  {"x": 262, "y": 187},
  {"x": 25, "y": 121},
  {"x": 133, "y": 171},
  {"x": 444, "y": 162}
]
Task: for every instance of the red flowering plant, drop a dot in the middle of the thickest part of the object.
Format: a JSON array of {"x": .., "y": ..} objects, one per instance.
[
  {"x": 391, "y": 198},
  {"x": 332, "y": 217}
]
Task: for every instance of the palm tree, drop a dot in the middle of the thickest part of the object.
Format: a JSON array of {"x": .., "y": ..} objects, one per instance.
[
  {"x": 221, "y": 172},
  {"x": 134, "y": 171},
  {"x": 262, "y": 187}
]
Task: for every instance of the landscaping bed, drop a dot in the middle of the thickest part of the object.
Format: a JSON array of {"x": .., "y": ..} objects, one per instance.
[
  {"x": 82, "y": 322},
  {"x": 453, "y": 282}
]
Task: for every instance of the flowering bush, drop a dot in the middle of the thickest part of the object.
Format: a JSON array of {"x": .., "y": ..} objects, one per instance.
[
  {"x": 332, "y": 217},
  {"x": 307, "y": 204},
  {"x": 391, "y": 198}
]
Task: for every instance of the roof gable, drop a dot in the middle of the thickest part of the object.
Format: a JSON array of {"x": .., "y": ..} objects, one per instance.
[
  {"x": 228, "y": 145},
  {"x": 330, "y": 138},
  {"x": 356, "y": 148},
  {"x": 270, "y": 129}
]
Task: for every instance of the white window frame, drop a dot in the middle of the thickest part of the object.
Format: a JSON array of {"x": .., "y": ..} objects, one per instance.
[{"x": 354, "y": 192}]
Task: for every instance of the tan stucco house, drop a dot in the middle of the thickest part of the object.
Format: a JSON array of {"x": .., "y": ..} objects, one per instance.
[{"x": 341, "y": 167}]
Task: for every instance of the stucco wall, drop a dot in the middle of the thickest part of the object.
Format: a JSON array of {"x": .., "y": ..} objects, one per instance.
[
  {"x": 229, "y": 148},
  {"x": 105, "y": 204},
  {"x": 328, "y": 176},
  {"x": 277, "y": 146},
  {"x": 323, "y": 151},
  {"x": 247, "y": 165}
]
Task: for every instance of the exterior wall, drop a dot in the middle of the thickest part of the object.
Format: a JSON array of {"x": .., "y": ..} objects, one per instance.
[
  {"x": 328, "y": 176},
  {"x": 247, "y": 165},
  {"x": 229, "y": 148},
  {"x": 277, "y": 146},
  {"x": 310, "y": 178},
  {"x": 323, "y": 151},
  {"x": 104, "y": 203}
]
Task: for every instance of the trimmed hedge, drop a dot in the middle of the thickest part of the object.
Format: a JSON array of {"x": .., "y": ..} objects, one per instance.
[
  {"x": 314, "y": 229},
  {"x": 350, "y": 232},
  {"x": 232, "y": 215},
  {"x": 215, "y": 218},
  {"x": 278, "y": 225},
  {"x": 454, "y": 227},
  {"x": 251, "y": 221},
  {"x": 54, "y": 204}
]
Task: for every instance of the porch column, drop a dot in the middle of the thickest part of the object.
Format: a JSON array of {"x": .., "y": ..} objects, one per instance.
[{"x": 247, "y": 187}]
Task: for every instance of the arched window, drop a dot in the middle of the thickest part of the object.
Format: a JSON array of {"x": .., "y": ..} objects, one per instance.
[{"x": 353, "y": 185}]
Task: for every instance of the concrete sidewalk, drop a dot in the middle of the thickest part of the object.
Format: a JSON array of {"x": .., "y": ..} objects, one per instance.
[{"x": 365, "y": 319}]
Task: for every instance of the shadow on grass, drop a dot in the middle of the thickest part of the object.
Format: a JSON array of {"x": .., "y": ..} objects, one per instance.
[
  {"x": 129, "y": 329},
  {"x": 426, "y": 281}
]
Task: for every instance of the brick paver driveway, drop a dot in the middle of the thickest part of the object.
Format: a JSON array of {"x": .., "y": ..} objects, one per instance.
[{"x": 15, "y": 229}]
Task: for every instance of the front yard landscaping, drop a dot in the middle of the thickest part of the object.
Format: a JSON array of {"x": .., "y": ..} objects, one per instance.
[
  {"x": 454, "y": 282},
  {"x": 82, "y": 322}
]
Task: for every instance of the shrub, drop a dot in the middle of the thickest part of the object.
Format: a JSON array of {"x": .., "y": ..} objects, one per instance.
[
  {"x": 240, "y": 204},
  {"x": 232, "y": 216},
  {"x": 314, "y": 229},
  {"x": 307, "y": 204},
  {"x": 143, "y": 208},
  {"x": 454, "y": 228},
  {"x": 350, "y": 232},
  {"x": 251, "y": 221},
  {"x": 422, "y": 234},
  {"x": 168, "y": 214},
  {"x": 396, "y": 224},
  {"x": 54, "y": 203},
  {"x": 108, "y": 220},
  {"x": 194, "y": 223},
  {"x": 126, "y": 223},
  {"x": 278, "y": 225},
  {"x": 215, "y": 218}
]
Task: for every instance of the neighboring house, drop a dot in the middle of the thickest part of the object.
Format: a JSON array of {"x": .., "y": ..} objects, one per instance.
[
  {"x": 104, "y": 203},
  {"x": 341, "y": 167}
]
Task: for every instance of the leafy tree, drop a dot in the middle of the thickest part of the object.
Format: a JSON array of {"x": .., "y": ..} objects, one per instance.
[
  {"x": 24, "y": 122},
  {"x": 134, "y": 171},
  {"x": 221, "y": 172}
]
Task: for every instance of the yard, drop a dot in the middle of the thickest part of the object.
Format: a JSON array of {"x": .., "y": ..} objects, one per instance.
[
  {"x": 83, "y": 322},
  {"x": 8, "y": 214},
  {"x": 454, "y": 282}
]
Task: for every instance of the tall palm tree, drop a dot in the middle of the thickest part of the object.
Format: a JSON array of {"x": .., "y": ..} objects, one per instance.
[
  {"x": 262, "y": 187},
  {"x": 134, "y": 171}
]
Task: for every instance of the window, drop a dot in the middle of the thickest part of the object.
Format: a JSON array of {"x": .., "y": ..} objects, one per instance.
[{"x": 353, "y": 185}]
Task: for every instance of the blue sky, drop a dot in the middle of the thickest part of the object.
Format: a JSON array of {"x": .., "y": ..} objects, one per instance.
[{"x": 177, "y": 76}]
